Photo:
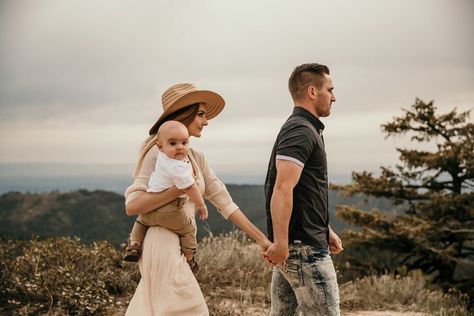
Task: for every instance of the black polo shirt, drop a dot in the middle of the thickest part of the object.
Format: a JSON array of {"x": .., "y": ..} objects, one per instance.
[{"x": 300, "y": 141}]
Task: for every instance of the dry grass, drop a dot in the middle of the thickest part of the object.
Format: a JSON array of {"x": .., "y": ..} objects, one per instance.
[
  {"x": 388, "y": 292},
  {"x": 232, "y": 276},
  {"x": 235, "y": 281}
]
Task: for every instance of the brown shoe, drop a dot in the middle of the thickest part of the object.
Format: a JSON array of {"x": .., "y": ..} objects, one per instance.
[
  {"x": 194, "y": 266},
  {"x": 132, "y": 252}
]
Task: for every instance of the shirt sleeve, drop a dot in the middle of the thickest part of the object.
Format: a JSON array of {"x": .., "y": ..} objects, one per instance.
[
  {"x": 215, "y": 191},
  {"x": 296, "y": 144},
  {"x": 181, "y": 174},
  {"x": 140, "y": 183}
]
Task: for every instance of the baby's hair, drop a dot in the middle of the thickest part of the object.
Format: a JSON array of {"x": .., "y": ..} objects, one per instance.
[
  {"x": 184, "y": 116},
  {"x": 167, "y": 127}
]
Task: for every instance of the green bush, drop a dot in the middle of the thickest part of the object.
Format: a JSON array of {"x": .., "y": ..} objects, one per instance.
[{"x": 64, "y": 274}]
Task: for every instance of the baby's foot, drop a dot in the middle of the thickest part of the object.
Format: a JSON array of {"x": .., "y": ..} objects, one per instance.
[
  {"x": 132, "y": 252},
  {"x": 193, "y": 265}
]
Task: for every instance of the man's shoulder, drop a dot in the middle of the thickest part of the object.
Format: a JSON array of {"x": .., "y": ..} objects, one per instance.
[{"x": 300, "y": 125}]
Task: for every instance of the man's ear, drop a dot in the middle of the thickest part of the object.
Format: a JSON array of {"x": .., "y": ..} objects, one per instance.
[
  {"x": 312, "y": 92},
  {"x": 159, "y": 145}
]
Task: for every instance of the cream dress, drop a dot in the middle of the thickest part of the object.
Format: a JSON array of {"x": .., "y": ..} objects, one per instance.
[{"x": 167, "y": 286}]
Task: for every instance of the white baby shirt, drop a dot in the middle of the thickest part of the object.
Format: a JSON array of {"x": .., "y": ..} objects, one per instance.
[{"x": 170, "y": 172}]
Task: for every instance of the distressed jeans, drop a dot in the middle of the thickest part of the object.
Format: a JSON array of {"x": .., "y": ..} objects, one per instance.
[{"x": 306, "y": 285}]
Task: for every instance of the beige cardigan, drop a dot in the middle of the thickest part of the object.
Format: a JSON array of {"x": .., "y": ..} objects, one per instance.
[{"x": 210, "y": 186}]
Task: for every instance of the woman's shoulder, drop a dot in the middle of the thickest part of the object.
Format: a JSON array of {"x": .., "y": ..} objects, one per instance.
[
  {"x": 152, "y": 153},
  {"x": 198, "y": 157},
  {"x": 196, "y": 153}
]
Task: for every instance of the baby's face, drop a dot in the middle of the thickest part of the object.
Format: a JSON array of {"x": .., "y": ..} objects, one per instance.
[{"x": 175, "y": 143}]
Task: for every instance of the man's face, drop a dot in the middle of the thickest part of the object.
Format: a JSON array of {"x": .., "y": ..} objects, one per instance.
[{"x": 324, "y": 98}]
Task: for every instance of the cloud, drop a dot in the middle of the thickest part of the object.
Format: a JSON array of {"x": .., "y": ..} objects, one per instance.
[{"x": 87, "y": 76}]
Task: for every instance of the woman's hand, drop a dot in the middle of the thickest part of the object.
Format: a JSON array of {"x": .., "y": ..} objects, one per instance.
[
  {"x": 241, "y": 221},
  {"x": 264, "y": 244}
]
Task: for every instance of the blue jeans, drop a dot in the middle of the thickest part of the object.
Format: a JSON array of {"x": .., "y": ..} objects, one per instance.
[{"x": 307, "y": 285}]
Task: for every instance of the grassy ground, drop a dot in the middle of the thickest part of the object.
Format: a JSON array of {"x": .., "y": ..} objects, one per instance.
[
  {"x": 36, "y": 279},
  {"x": 235, "y": 281}
]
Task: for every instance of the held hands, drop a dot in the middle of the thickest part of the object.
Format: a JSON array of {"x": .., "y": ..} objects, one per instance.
[
  {"x": 264, "y": 245},
  {"x": 335, "y": 243},
  {"x": 277, "y": 253},
  {"x": 202, "y": 210}
]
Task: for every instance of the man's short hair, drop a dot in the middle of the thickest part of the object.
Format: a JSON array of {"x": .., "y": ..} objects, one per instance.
[{"x": 306, "y": 75}]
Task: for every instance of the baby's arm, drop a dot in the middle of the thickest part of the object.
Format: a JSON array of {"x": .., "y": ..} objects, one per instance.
[{"x": 195, "y": 196}]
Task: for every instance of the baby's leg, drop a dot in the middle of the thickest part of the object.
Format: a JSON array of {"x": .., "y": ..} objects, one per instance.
[
  {"x": 178, "y": 222},
  {"x": 137, "y": 236},
  {"x": 187, "y": 238},
  {"x": 132, "y": 252}
]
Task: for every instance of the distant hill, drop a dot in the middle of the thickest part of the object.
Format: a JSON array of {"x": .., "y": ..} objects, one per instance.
[{"x": 100, "y": 215}]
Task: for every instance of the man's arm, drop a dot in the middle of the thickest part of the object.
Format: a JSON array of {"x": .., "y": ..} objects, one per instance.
[{"x": 288, "y": 175}]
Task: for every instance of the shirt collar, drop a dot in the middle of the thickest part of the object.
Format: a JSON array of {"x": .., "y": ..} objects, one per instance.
[{"x": 299, "y": 111}]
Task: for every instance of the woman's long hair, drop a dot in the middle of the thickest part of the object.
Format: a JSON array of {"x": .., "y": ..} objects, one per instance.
[{"x": 185, "y": 115}]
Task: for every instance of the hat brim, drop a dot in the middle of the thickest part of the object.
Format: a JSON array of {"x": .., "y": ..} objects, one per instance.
[{"x": 212, "y": 101}]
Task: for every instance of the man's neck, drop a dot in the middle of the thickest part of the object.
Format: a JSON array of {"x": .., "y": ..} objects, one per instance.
[{"x": 307, "y": 106}]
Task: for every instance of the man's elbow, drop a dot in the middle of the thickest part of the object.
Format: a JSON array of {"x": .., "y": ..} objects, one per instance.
[{"x": 283, "y": 188}]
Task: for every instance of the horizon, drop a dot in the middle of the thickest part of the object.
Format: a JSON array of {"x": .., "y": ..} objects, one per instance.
[
  {"x": 76, "y": 92},
  {"x": 65, "y": 177}
]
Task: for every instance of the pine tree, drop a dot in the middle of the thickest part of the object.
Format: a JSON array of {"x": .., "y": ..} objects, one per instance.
[{"x": 434, "y": 232}]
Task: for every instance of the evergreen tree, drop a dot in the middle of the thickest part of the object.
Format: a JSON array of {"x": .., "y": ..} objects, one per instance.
[{"x": 434, "y": 231}]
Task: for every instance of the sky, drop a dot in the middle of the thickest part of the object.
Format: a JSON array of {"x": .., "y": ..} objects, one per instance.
[{"x": 81, "y": 81}]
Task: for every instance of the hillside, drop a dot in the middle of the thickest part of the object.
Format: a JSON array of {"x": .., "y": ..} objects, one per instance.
[{"x": 100, "y": 215}]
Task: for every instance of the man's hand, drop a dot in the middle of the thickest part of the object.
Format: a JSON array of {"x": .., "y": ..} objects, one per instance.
[
  {"x": 277, "y": 254},
  {"x": 335, "y": 243}
]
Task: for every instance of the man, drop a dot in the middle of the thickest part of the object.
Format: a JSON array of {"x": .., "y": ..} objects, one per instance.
[{"x": 296, "y": 191}]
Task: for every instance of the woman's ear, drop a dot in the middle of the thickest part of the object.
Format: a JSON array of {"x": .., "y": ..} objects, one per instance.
[{"x": 158, "y": 145}]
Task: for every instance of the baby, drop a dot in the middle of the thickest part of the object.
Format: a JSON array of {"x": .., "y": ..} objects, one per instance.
[{"x": 172, "y": 169}]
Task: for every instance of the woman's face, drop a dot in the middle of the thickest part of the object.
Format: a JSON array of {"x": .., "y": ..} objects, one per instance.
[{"x": 200, "y": 120}]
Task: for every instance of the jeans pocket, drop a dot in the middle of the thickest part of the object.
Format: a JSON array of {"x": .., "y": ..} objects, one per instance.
[
  {"x": 293, "y": 264},
  {"x": 317, "y": 255},
  {"x": 294, "y": 269}
]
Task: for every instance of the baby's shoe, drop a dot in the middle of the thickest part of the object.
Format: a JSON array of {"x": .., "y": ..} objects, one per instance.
[
  {"x": 193, "y": 265},
  {"x": 132, "y": 252}
]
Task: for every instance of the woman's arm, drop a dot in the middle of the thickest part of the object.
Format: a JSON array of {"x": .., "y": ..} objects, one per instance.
[
  {"x": 137, "y": 200},
  {"x": 217, "y": 194},
  {"x": 241, "y": 221},
  {"x": 145, "y": 202}
]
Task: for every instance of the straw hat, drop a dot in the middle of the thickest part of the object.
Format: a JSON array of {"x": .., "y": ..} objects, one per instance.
[{"x": 183, "y": 94}]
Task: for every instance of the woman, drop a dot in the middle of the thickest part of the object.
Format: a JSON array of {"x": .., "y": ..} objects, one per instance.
[{"x": 168, "y": 286}]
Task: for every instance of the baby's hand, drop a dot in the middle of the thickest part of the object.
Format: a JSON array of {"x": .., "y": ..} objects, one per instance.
[{"x": 202, "y": 210}]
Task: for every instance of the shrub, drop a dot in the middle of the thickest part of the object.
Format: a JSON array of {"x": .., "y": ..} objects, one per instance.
[
  {"x": 66, "y": 274},
  {"x": 63, "y": 276}
]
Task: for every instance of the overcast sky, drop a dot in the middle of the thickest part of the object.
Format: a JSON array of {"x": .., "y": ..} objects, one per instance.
[{"x": 81, "y": 81}]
